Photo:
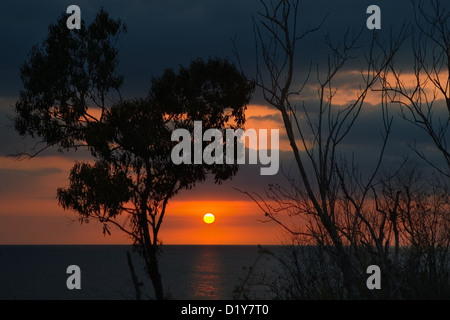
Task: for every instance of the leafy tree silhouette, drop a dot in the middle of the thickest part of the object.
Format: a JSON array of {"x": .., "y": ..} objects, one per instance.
[{"x": 71, "y": 100}]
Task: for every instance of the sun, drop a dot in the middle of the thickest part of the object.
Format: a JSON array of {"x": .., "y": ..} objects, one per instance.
[{"x": 209, "y": 218}]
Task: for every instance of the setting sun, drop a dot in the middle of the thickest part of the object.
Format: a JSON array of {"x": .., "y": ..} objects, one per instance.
[{"x": 209, "y": 218}]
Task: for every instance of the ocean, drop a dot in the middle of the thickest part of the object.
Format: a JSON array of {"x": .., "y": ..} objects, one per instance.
[{"x": 39, "y": 272}]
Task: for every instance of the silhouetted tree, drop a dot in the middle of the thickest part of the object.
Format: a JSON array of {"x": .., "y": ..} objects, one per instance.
[
  {"x": 332, "y": 192},
  {"x": 71, "y": 100},
  {"x": 419, "y": 97},
  {"x": 357, "y": 217}
]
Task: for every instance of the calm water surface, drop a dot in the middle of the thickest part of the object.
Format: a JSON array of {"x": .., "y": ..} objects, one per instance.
[{"x": 189, "y": 272}]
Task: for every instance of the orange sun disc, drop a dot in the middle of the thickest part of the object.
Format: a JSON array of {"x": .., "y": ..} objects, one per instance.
[{"x": 209, "y": 218}]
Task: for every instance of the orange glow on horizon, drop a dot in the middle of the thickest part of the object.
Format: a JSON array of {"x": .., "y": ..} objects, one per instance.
[
  {"x": 237, "y": 222},
  {"x": 30, "y": 213},
  {"x": 346, "y": 86}
]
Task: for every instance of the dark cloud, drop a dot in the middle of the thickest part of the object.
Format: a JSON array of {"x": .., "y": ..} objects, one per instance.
[
  {"x": 24, "y": 182},
  {"x": 165, "y": 34},
  {"x": 29, "y": 172},
  {"x": 273, "y": 117}
]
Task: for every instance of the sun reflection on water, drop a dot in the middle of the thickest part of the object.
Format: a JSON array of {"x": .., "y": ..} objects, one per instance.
[
  {"x": 205, "y": 272},
  {"x": 205, "y": 280}
]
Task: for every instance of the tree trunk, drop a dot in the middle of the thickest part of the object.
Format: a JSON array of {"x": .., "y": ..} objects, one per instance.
[
  {"x": 137, "y": 284},
  {"x": 150, "y": 250},
  {"x": 343, "y": 259},
  {"x": 153, "y": 271}
]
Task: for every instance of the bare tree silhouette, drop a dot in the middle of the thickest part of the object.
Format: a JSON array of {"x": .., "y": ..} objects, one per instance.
[
  {"x": 357, "y": 217},
  {"x": 419, "y": 98},
  {"x": 329, "y": 181}
]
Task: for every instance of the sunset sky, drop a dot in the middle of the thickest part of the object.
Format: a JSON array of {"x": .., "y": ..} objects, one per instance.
[{"x": 163, "y": 34}]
